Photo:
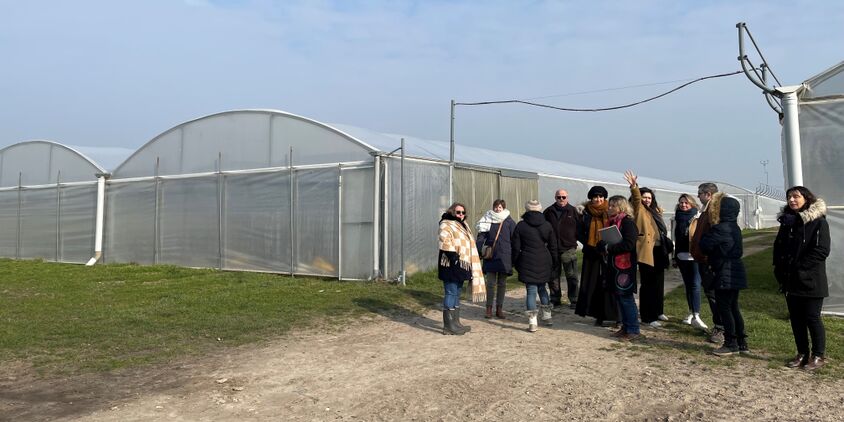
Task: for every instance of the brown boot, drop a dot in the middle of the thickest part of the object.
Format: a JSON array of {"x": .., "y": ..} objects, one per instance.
[
  {"x": 499, "y": 312},
  {"x": 488, "y": 313}
]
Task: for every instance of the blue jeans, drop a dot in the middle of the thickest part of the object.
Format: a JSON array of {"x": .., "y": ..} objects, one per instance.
[
  {"x": 451, "y": 299},
  {"x": 530, "y": 298},
  {"x": 629, "y": 313},
  {"x": 691, "y": 278}
]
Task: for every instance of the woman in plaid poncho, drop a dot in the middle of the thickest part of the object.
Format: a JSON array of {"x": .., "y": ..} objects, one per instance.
[{"x": 458, "y": 261}]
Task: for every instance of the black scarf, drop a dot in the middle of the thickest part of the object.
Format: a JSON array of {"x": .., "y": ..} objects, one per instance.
[
  {"x": 685, "y": 217},
  {"x": 447, "y": 216}
]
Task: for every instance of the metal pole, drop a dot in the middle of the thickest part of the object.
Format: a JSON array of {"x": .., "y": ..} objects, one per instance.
[
  {"x": 376, "y": 218},
  {"x": 156, "y": 224},
  {"x": 340, "y": 221},
  {"x": 20, "y": 193},
  {"x": 402, "y": 273},
  {"x": 220, "y": 209},
  {"x": 450, "y": 158},
  {"x": 58, "y": 212},
  {"x": 292, "y": 204},
  {"x": 98, "y": 227},
  {"x": 791, "y": 131}
]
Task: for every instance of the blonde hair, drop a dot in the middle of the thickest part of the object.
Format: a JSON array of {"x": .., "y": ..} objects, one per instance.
[
  {"x": 690, "y": 199},
  {"x": 621, "y": 203}
]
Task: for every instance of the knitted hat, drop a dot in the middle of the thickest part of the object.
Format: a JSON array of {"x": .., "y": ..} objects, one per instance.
[
  {"x": 533, "y": 205},
  {"x": 597, "y": 190}
]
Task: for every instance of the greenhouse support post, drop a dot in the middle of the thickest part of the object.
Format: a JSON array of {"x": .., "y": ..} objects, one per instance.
[
  {"x": 791, "y": 134},
  {"x": 292, "y": 243},
  {"x": 340, "y": 221},
  {"x": 376, "y": 220},
  {"x": 451, "y": 158},
  {"x": 58, "y": 213},
  {"x": 18, "y": 240},
  {"x": 402, "y": 273},
  {"x": 98, "y": 233}
]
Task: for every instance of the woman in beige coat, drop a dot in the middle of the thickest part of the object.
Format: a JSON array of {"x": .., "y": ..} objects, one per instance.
[{"x": 652, "y": 248}]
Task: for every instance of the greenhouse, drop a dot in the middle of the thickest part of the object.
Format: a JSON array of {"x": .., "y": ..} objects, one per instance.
[
  {"x": 821, "y": 132},
  {"x": 265, "y": 190}
]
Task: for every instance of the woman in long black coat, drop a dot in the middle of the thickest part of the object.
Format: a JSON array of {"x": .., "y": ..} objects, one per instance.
[
  {"x": 800, "y": 253},
  {"x": 534, "y": 255},
  {"x": 593, "y": 299}
]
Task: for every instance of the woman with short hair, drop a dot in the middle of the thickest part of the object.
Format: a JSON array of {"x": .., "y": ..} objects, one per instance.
[
  {"x": 495, "y": 231},
  {"x": 800, "y": 251}
]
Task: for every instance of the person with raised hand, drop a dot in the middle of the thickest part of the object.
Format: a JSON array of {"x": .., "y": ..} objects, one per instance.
[{"x": 653, "y": 249}]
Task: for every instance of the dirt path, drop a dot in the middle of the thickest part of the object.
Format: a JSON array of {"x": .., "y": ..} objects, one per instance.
[{"x": 402, "y": 368}]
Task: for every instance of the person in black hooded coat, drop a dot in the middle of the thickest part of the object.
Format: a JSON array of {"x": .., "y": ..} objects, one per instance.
[
  {"x": 723, "y": 248},
  {"x": 534, "y": 249},
  {"x": 800, "y": 252}
]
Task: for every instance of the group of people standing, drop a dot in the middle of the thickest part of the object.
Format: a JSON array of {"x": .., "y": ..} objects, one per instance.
[{"x": 542, "y": 247}]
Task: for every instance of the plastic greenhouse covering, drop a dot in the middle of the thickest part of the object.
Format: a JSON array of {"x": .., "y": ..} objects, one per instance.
[
  {"x": 264, "y": 190},
  {"x": 821, "y": 119}
]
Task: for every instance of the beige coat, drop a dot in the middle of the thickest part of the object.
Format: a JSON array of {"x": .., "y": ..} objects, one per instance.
[{"x": 648, "y": 230}]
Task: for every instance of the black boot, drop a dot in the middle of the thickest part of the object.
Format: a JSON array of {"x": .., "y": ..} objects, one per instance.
[
  {"x": 449, "y": 329},
  {"x": 459, "y": 324}
]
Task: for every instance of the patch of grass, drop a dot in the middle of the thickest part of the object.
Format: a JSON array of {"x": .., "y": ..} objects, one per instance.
[
  {"x": 766, "y": 319},
  {"x": 69, "y": 318}
]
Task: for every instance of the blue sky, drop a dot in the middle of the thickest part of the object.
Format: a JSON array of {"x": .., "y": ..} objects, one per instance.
[{"x": 116, "y": 74}]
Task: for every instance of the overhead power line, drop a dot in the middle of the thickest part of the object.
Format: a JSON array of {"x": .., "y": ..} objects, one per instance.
[{"x": 618, "y": 107}]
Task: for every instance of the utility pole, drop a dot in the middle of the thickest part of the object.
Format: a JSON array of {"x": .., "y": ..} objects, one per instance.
[{"x": 764, "y": 164}]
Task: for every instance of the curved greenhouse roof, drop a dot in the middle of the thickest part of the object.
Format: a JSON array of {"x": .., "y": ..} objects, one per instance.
[
  {"x": 40, "y": 162},
  {"x": 242, "y": 139},
  {"x": 259, "y": 138}
]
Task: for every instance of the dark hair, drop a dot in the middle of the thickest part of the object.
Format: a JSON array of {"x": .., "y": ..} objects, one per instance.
[
  {"x": 498, "y": 202},
  {"x": 805, "y": 193},
  {"x": 450, "y": 210},
  {"x": 654, "y": 205},
  {"x": 708, "y": 187}
]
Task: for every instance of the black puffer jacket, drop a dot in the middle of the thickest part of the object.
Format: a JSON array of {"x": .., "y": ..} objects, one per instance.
[
  {"x": 722, "y": 245},
  {"x": 800, "y": 251},
  {"x": 534, "y": 249}
]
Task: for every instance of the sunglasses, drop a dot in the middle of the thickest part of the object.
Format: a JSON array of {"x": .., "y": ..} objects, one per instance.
[
  {"x": 460, "y": 212},
  {"x": 560, "y": 197},
  {"x": 597, "y": 195}
]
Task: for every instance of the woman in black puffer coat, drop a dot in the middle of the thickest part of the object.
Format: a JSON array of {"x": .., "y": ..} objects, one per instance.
[
  {"x": 534, "y": 248},
  {"x": 800, "y": 253},
  {"x": 722, "y": 245}
]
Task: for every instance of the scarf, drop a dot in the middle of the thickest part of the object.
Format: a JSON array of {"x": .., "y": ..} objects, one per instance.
[
  {"x": 455, "y": 236},
  {"x": 684, "y": 219},
  {"x": 599, "y": 221},
  {"x": 491, "y": 217},
  {"x": 660, "y": 224},
  {"x": 616, "y": 219}
]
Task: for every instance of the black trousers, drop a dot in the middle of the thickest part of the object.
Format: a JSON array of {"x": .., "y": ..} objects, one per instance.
[
  {"x": 652, "y": 288},
  {"x": 805, "y": 315},
  {"x": 707, "y": 279},
  {"x": 728, "y": 307}
]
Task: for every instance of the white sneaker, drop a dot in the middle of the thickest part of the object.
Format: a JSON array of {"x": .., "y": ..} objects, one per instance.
[
  {"x": 655, "y": 324},
  {"x": 662, "y": 317},
  {"x": 698, "y": 323},
  {"x": 688, "y": 320}
]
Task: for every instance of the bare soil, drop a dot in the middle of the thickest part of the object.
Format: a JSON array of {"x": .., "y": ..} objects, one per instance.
[{"x": 400, "y": 367}]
